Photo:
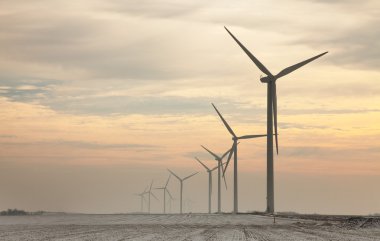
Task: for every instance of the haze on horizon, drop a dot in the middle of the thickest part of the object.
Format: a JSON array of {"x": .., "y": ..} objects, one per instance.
[{"x": 99, "y": 97}]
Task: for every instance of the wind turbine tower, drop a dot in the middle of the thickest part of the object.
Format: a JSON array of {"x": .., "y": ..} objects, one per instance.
[
  {"x": 181, "y": 180},
  {"x": 220, "y": 170},
  {"x": 209, "y": 171},
  {"x": 142, "y": 199},
  {"x": 150, "y": 193},
  {"x": 270, "y": 80},
  {"x": 234, "y": 151},
  {"x": 170, "y": 201},
  {"x": 165, "y": 191}
]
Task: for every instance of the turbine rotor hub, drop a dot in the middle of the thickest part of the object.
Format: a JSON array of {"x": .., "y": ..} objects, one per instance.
[{"x": 267, "y": 79}]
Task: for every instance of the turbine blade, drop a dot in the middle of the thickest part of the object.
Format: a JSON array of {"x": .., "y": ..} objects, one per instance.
[
  {"x": 214, "y": 168},
  {"x": 190, "y": 176},
  {"x": 250, "y": 136},
  {"x": 175, "y": 175},
  {"x": 170, "y": 195},
  {"x": 221, "y": 165},
  {"x": 211, "y": 182},
  {"x": 224, "y": 177},
  {"x": 250, "y": 55},
  {"x": 167, "y": 182},
  {"x": 274, "y": 96},
  {"x": 159, "y": 188},
  {"x": 151, "y": 184},
  {"x": 229, "y": 150},
  {"x": 154, "y": 196},
  {"x": 212, "y": 153},
  {"x": 202, "y": 164},
  {"x": 224, "y": 122},
  {"x": 228, "y": 159},
  {"x": 290, "y": 69}
]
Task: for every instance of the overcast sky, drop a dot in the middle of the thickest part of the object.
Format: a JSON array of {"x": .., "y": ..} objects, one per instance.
[{"x": 97, "y": 98}]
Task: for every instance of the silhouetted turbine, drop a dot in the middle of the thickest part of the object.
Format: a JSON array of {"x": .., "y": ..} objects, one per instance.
[
  {"x": 220, "y": 170},
  {"x": 181, "y": 180},
  {"x": 170, "y": 200},
  {"x": 142, "y": 198},
  {"x": 209, "y": 171},
  {"x": 234, "y": 150},
  {"x": 271, "y": 113},
  {"x": 150, "y": 193},
  {"x": 165, "y": 190}
]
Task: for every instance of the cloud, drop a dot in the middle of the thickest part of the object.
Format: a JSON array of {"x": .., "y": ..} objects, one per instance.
[
  {"x": 353, "y": 42},
  {"x": 106, "y": 47},
  {"x": 323, "y": 111},
  {"x": 127, "y": 84},
  {"x": 123, "y": 102},
  {"x": 352, "y": 4},
  {"x": 154, "y": 9},
  {"x": 7, "y": 136},
  {"x": 284, "y": 125},
  {"x": 131, "y": 105},
  {"x": 129, "y": 48},
  {"x": 331, "y": 153},
  {"x": 80, "y": 144},
  {"x": 357, "y": 47},
  {"x": 173, "y": 58},
  {"x": 28, "y": 92}
]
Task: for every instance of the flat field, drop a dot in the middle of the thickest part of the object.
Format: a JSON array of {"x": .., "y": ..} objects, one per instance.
[{"x": 185, "y": 227}]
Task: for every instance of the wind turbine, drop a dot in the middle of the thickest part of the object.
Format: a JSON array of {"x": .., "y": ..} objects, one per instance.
[
  {"x": 234, "y": 150},
  {"x": 209, "y": 171},
  {"x": 181, "y": 180},
  {"x": 141, "y": 195},
  {"x": 165, "y": 190},
  {"x": 150, "y": 193},
  {"x": 271, "y": 112},
  {"x": 220, "y": 170},
  {"x": 170, "y": 201}
]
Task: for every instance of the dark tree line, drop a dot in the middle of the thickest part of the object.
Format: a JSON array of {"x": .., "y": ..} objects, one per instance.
[{"x": 13, "y": 212}]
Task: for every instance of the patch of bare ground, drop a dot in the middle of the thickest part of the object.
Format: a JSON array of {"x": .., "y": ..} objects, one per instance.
[{"x": 187, "y": 227}]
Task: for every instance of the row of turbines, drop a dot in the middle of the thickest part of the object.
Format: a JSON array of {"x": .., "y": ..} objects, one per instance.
[
  {"x": 270, "y": 80},
  {"x": 148, "y": 191}
]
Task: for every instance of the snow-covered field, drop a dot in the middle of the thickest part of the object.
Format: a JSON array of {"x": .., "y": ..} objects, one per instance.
[{"x": 179, "y": 227}]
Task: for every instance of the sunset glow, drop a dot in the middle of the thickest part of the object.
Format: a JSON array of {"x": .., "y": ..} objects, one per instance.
[{"x": 103, "y": 96}]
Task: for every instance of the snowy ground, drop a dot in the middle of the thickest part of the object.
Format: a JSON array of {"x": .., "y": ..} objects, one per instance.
[{"x": 180, "y": 227}]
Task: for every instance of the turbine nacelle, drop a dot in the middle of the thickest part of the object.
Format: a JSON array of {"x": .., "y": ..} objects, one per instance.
[{"x": 266, "y": 79}]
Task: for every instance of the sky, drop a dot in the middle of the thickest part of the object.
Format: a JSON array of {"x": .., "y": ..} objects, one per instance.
[{"x": 98, "y": 98}]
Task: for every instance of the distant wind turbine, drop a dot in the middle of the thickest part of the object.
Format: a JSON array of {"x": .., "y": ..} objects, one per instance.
[
  {"x": 165, "y": 191},
  {"x": 209, "y": 171},
  {"x": 142, "y": 198},
  {"x": 181, "y": 180},
  {"x": 170, "y": 200},
  {"x": 150, "y": 193},
  {"x": 220, "y": 170},
  {"x": 234, "y": 150},
  {"x": 271, "y": 112}
]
